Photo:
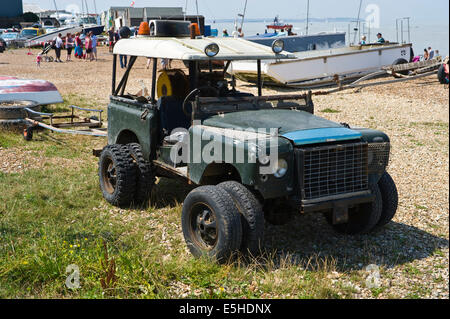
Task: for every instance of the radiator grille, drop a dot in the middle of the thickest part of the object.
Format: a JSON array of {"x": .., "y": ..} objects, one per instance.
[{"x": 335, "y": 170}]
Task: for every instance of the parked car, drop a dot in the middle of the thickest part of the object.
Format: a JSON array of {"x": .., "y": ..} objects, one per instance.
[
  {"x": 252, "y": 158},
  {"x": 29, "y": 33},
  {"x": 12, "y": 39}
]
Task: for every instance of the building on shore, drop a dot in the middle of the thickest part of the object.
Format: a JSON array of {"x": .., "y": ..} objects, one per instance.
[{"x": 132, "y": 17}]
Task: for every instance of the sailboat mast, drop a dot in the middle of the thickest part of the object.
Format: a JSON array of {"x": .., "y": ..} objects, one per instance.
[
  {"x": 307, "y": 17},
  {"x": 87, "y": 9},
  {"x": 357, "y": 21},
  {"x": 243, "y": 15},
  {"x": 56, "y": 8},
  {"x": 185, "y": 10},
  {"x": 95, "y": 7},
  {"x": 198, "y": 17}
]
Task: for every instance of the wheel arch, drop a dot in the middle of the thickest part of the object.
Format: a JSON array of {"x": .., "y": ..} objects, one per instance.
[
  {"x": 126, "y": 137},
  {"x": 216, "y": 173}
]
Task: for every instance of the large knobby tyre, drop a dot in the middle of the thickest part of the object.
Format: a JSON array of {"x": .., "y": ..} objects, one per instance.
[
  {"x": 145, "y": 178},
  {"x": 211, "y": 223},
  {"x": 117, "y": 174},
  {"x": 277, "y": 212},
  {"x": 389, "y": 197},
  {"x": 252, "y": 217},
  {"x": 362, "y": 219},
  {"x": 398, "y": 62}
]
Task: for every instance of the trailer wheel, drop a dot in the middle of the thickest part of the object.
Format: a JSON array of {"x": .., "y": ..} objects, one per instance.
[
  {"x": 117, "y": 174},
  {"x": 211, "y": 223},
  {"x": 145, "y": 177},
  {"x": 389, "y": 197},
  {"x": 362, "y": 219},
  {"x": 252, "y": 217},
  {"x": 28, "y": 133},
  {"x": 399, "y": 62}
]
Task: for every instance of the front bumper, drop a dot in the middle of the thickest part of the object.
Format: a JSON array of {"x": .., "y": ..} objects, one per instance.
[{"x": 337, "y": 202}]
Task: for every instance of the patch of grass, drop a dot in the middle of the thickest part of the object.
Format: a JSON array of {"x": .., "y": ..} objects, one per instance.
[
  {"x": 329, "y": 110},
  {"x": 10, "y": 138},
  {"x": 421, "y": 207},
  {"x": 376, "y": 292}
]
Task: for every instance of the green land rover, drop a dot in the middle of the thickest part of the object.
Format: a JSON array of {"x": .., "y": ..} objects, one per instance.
[{"x": 254, "y": 158}]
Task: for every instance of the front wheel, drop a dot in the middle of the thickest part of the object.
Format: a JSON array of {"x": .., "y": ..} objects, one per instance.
[
  {"x": 389, "y": 196},
  {"x": 363, "y": 218},
  {"x": 252, "y": 217},
  {"x": 211, "y": 223}
]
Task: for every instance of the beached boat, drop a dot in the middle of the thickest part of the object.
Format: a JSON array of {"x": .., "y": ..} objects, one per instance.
[
  {"x": 52, "y": 35},
  {"x": 325, "y": 67},
  {"x": 39, "y": 91}
]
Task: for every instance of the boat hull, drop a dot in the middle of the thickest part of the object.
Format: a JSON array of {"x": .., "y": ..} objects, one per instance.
[
  {"x": 97, "y": 30},
  {"x": 52, "y": 35},
  {"x": 39, "y": 91},
  {"x": 300, "y": 43},
  {"x": 322, "y": 68}
]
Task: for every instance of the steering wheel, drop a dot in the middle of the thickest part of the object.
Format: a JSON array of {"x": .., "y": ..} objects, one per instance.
[{"x": 197, "y": 91}]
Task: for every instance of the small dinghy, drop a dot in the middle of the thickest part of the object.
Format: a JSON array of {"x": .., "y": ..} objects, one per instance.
[{"x": 39, "y": 91}]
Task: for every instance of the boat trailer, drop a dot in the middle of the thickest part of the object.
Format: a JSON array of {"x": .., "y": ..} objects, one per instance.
[
  {"x": 401, "y": 73},
  {"x": 90, "y": 126}
]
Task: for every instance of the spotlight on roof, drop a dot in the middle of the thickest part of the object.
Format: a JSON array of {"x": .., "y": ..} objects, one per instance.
[
  {"x": 278, "y": 46},
  {"x": 211, "y": 50}
]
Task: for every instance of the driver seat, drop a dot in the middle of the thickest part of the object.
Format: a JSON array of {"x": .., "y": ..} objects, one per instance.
[{"x": 171, "y": 115}]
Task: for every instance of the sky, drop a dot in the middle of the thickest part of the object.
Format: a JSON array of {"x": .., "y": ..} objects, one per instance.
[{"x": 421, "y": 11}]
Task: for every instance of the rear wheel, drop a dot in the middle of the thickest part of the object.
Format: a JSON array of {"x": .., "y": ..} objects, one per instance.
[
  {"x": 117, "y": 174},
  {"x": 211, "y": 223},
  {"x": 363, "y": 218},
  {"x": 252, "y": 217},
  {"x": 145, "y": 178}
]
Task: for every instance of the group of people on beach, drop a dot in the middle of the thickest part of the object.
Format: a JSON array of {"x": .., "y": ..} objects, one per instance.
[{"x": 86, "y": 50}]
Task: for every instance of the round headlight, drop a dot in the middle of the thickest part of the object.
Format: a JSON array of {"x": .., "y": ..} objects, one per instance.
[
  {"x": 278, "y": 46},
  {"x": 211, "y": 50},
  {"x": 281, "y": 168}
]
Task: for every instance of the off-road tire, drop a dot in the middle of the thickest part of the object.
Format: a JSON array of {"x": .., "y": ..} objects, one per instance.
[
  {"x": 389, "y": 197},
  {"x": 362, "y": 219},
  {"x": 228, "y": 230},
  {"x": 252, "y": 217},
  {"x": 145, "y": 178},
  {"x": 121, "y": 192},
  {"x": 277, "y": 213}
]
